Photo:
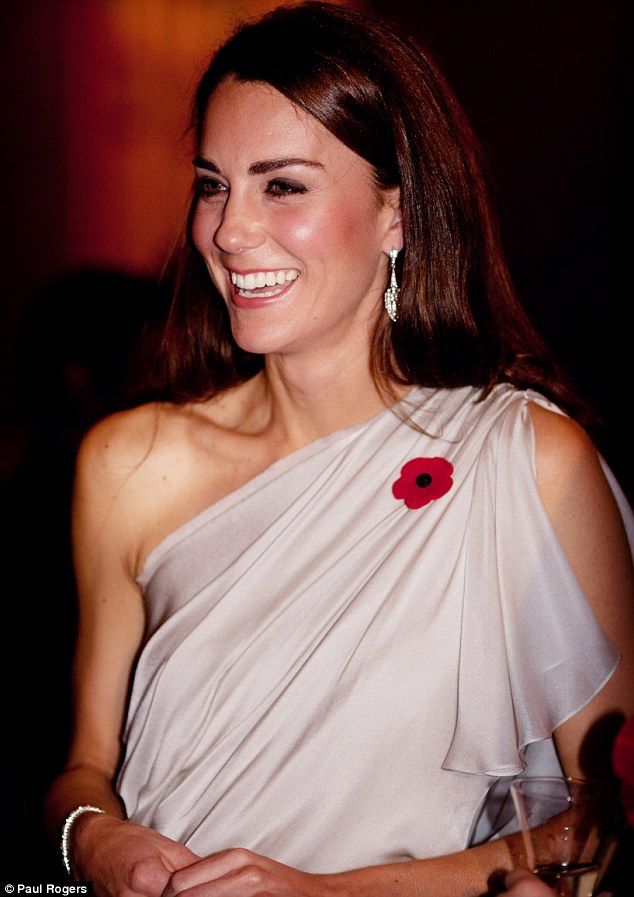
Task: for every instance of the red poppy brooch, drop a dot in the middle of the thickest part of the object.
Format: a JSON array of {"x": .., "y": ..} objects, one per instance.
[{"x": 423, "y": 480}]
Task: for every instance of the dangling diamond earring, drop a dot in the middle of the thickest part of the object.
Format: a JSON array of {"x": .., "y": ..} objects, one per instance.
[{"x": 393, "y": 290}]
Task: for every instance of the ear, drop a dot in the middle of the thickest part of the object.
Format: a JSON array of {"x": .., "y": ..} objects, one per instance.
[{"x": 393, "y": 238}]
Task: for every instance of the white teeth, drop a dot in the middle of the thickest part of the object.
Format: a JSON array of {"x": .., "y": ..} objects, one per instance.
[
  {"x": 262, "y": 295},
  {"x": 261, "y": 279}
]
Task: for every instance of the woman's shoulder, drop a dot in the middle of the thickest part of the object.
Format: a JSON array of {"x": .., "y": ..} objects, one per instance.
[
  {"x": 559, "y": 439},
  {"x": 122, "y": 444},
  {"x": 512, "y": 427},
  {"x": 561, "y": 445},
  {"x": 562, "y": 449},
  {"x": 567, "y": 463},
  {"x": 132, "y": 469},
  {"x": 157, "y": 429},
  {"x": 149, "y": 469},
  {"x": 571, "y": 479},
  {"x": 139, "y": 462}
]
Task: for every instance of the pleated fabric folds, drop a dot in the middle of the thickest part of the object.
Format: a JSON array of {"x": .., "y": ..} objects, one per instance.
[{"x": 332, "y": 679}]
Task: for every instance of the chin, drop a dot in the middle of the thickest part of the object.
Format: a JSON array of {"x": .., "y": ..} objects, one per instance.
[{"x": 260, "y": 340}]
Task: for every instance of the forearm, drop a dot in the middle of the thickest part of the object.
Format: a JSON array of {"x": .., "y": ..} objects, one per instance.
[
  {"x": 466, "y": 874},
  {"x": 115, "y": 855},
  {"x": 79, "y": 786}
]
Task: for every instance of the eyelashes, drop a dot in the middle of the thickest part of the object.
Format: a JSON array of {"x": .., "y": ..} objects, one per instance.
[
  {"x": 283, "y": 187},
  {"x": 210, "y": 188}
]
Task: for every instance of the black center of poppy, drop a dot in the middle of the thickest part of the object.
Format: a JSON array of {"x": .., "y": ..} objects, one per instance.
[{"x": 423, "y": 480}]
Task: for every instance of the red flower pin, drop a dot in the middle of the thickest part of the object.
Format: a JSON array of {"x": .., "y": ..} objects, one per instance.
[{"x": 423, "y": 480}]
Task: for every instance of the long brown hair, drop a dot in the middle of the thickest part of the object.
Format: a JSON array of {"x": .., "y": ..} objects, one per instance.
[{"x": 459, "y": 319}]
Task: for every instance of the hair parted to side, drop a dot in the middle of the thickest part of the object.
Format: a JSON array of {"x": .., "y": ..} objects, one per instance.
[{"x": 459, "y": 320}]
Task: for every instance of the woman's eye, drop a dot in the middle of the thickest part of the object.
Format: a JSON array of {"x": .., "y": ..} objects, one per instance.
[
  {"x": 208, "y": 188},
  {"x": 284, "y": 188}
]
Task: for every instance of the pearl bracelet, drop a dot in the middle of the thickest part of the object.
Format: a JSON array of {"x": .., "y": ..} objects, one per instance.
[{"x": 68, "y": 824}]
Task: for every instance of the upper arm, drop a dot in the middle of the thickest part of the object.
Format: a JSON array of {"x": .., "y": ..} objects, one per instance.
[
  {"x": 588, "y": 524},
  {"x": 111, "y": 619}
]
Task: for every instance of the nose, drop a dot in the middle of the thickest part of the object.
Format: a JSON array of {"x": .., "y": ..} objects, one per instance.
[{"x": 240, "y": 227}]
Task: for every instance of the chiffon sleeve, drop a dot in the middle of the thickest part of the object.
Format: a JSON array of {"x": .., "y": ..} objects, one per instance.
[{"x": 532, "y": 653}]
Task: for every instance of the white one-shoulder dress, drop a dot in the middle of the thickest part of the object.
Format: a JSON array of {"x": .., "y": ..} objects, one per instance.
[{"x": 332, "y": 675}]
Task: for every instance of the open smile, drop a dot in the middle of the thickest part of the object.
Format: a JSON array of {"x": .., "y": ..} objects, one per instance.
[
  {"x": 258, "y": 283},
  {"x": 261, "y": 285}
]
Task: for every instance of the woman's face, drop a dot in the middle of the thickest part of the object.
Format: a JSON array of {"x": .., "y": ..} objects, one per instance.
[{"x": 290, "y": 224}]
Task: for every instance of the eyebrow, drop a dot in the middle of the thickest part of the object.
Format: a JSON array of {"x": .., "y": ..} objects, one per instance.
[{"x": 263, "y": 167}]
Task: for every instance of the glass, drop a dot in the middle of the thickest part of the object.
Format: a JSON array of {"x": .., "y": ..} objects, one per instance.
[{"x": 570, "y": 831}]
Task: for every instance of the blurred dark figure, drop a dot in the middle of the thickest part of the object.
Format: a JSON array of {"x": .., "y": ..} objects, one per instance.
[{"x": 87, "y": 343}]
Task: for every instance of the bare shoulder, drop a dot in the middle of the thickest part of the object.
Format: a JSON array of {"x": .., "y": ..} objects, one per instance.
[
  {"x": 144, "y": 472},
  {"x": 582, "y": 508},
  {"x": 118, "y": 444},
  {"x": 564, "y": 453},
  {"x": 126, "y": 450},
  {"x": 559, "y": 440},
  {"x": 136, "y": 440},
  {"x": 127, "y": 466},
  {"x": 571, "y": 480}
]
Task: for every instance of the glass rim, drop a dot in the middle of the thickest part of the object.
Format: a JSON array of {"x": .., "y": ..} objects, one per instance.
[
  {"x": 580, "y": 789},
  {"x": 570, "y": 780}
]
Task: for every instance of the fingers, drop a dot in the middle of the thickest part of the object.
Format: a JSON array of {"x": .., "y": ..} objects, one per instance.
[
  {"x": 148, "y": 876},
  {"x": 248, "y": 881},
  {"x": 151, "y": 874},
  {"x": 521, "y": 883},
  {"x": 242, "y": 873},
  {"x": 236, "y": 866},
  {"x": 179, "y": 857}
]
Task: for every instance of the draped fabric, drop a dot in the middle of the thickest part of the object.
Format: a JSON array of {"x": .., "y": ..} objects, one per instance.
[{"x": 333, "y": 679}]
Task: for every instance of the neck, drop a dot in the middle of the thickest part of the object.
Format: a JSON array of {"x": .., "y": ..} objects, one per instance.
[{"x": 307, "y": 398}]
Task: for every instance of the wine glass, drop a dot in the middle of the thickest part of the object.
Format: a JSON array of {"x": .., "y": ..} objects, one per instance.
[{"x": 570, "y": 830}]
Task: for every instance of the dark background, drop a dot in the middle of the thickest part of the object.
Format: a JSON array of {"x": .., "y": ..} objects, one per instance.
[{"x": 544, "y": 86}]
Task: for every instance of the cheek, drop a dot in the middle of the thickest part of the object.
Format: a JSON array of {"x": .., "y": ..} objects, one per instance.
[
  {"x": 303, "y": 230},
  {"x": 205, "y": 221},
  {"x": 198, "y": 230},
  {"x": 333, "y": 227},
  {"x": 203, "y": 228}
]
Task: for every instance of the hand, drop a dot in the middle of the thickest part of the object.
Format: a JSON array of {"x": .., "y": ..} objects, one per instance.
[
  {"x": 524, "y": 884},
  {"x": 242, "y": 873},
  {"x": 122, "y": 858}
]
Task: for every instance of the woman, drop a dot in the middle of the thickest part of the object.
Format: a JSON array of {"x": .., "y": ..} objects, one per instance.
[{"x": 325, "y": 569}]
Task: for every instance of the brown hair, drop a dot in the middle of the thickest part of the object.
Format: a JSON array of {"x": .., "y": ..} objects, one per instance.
[{"x": 459, "y": 320}]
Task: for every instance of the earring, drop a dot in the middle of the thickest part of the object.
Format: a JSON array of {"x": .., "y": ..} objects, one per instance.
[{"x": 393, "y": 290}]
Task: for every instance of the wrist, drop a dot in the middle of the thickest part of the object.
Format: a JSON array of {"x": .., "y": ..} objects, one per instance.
[
  {"x": 339, "y": 884},
  {"x": 74, "y": 825},
  {"x": 383, "y": 880}
]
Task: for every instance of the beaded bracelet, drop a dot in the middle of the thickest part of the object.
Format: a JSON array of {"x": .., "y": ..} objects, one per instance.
[{"x": 68, "y": 824}]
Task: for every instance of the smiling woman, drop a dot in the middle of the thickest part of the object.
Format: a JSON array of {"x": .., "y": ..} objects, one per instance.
[
  {"x": 303, "y": 607},
  {"x": 315, "y": 218}
]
